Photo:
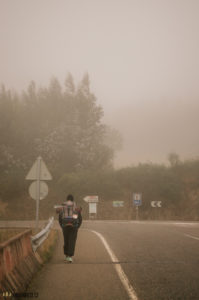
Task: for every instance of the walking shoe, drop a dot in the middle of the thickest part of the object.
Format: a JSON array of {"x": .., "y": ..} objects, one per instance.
[
  {"x": 70, "y": 259},
  {"x": 66, "y": 258}
]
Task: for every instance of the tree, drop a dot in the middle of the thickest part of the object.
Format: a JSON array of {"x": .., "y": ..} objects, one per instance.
[
  {"x": 74, "y": 136},
  {"x": 174, "y": 159},
  {"x": 113, "y": 138},
  {"x": 69, "y": 85},
  {"x": 64, "y": 126}
]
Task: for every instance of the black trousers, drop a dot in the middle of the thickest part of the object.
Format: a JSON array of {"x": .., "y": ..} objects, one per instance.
[{"x": 70, "y": 237}]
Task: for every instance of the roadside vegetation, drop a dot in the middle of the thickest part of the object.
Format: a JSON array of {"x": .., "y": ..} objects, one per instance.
[
  {"x": 45, "y": 251},
  {"x": 65, "y": 126}
]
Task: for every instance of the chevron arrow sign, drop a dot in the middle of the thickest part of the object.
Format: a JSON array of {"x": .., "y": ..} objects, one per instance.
[{"x": 156, "y": 203}]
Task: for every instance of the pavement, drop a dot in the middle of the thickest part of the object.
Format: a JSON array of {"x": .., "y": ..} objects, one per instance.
[
  {"x": 159, "y": 259},
  {"x": 91, "y": 276}
]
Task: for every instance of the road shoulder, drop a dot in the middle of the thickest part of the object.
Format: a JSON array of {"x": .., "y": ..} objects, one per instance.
[{"x": 91, "y": 276}]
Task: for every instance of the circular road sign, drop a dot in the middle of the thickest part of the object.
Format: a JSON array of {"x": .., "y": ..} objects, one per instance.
[{"x": 43, "y": 190}]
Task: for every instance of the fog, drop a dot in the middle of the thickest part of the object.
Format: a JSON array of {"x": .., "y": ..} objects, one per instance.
[{"x": 141, "y": 56}]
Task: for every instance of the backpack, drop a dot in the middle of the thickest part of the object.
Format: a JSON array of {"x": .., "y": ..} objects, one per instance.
[{"x": 70, "y": 214}]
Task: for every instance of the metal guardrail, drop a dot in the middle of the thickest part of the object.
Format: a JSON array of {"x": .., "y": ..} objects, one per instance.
[
  {"x": 17, "y": 263},
  {"x": 40, "y": 237}
]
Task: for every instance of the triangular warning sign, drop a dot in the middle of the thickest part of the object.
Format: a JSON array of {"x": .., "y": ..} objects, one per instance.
[{"x": 39, "y": 171}]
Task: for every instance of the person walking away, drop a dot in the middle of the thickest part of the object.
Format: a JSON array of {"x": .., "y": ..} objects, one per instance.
[{"x": 70, "y": 220}]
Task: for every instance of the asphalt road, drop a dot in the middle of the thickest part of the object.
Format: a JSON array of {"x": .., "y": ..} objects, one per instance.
[{"x": 159, "y": 259}]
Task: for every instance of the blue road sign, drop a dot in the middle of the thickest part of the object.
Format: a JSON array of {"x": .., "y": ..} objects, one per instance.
[{"x": 137, "y": 199}]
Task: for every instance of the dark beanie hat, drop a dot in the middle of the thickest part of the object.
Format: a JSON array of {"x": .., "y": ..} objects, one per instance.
[{"x": 70, "y": 197}]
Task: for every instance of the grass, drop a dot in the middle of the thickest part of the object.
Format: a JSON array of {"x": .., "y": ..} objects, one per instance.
[{"x": 45, "y": 251}]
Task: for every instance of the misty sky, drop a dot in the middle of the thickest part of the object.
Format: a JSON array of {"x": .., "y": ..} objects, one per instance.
[{"x": 142, "y": 57}]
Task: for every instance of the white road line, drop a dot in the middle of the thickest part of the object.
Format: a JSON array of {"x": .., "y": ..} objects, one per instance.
[
  {"x": 191, "y": 236},
  {"x": 185, "y": 224},
  {"x": 124, "y": 279}
]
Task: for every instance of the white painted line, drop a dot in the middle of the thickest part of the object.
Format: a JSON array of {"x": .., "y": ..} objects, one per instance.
[
  {"x": 192, "y": 237},
  {"x": 185, "y": 224},
  {"x": 124, "y": 279}
]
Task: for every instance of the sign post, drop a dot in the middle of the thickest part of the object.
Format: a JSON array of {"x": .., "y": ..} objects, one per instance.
[
  {"x": 118, "y": 203},
  {"x": 92, "y": 208},
  {"x": 137, "y": 201},
  {"x": 38, "y": 189},
  {"x": 156, "y": 205},
  {"x": 92, "y": 201}
]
